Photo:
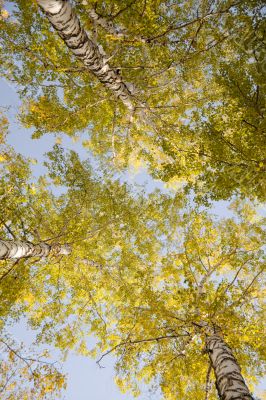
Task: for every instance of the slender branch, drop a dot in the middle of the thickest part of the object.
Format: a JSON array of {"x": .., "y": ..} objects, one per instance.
[
  {"x": 8, "y": 379},
  {"x": 189, "y": 266},
  {"x": 219, "y": 296},
  {"x": 235, "y": 278},
  {"x": 172, "y": 28},
  {"x": 194, "y": 39},
  {"x": 25, "y": 360},
  {"x": 109, "y": 27},
  {"x": 248, "y": 287},
  {"x": 123, "y": 9},
  {"x": 138, "y": 341},
  {"x": 248, "y": 123},
  {"x": 9, "y": 230},
  {"x": 96, "y": 308},
  {"x": 9, "y": 270}
]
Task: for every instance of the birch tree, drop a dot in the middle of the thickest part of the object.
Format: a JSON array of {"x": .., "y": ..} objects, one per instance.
[
  {"x": 229, "y": 381},
  {"x": 197, "y": 120},
  {"x": 193, "y": 319},
  {"x": 100, "y": 219},
  {"x": 148, "y": 288},
  {"x": 180, "y": 287},
  {"x": 19, "y": 249},
  {"x": 24, "y": 372},
  {"x": 66, "y": 23},
  {"x": 198, "y": 89}
]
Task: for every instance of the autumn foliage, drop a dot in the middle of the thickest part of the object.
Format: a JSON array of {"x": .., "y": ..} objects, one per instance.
[{"x": 175, "y": 89}]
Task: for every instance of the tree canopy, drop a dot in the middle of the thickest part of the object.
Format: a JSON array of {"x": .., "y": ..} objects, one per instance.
[
  {"x": 165, "y": 278},
  {"x": 195, "y": 71},
  {"x": 177, "y": 88}
]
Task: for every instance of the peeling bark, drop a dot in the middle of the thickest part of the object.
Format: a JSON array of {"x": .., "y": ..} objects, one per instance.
[
  {"x": 16, "y": 249},
  {"x": 66, "y": 23},
  {"x": 229, "y": 382}
]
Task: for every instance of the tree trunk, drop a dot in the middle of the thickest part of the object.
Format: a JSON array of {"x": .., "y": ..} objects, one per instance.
[
  {"x": 229, "y": 381},
  {"x": 66, "y": 23},
  {"x": 10, "y": 249}
]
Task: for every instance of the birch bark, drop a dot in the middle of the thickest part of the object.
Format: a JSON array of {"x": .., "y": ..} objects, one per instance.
[
  {"x": 229, "y": 382},
  {"x": 66, "y": 23},
  {"x": 16, "y": 249}
]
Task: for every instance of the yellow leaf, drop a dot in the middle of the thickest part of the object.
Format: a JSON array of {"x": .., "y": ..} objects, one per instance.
[
  {"x": 2, "y": 158},
  {"x": 114, "y": 337},
  {"x": 4, "y": 14},
  {"x": 58, "y": 140}
]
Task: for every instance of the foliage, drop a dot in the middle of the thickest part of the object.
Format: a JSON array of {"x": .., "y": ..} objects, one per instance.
[
  {"x": 147, "y": 272},
  {"x": 102, "y": 221},
  {"x": 142, "y": 285},
  {"x": 24, "y": 373},
  {"x": 199, "y": 91},
  {"x": 27, "y": 377},
  {"x": 212, "y": 273}
]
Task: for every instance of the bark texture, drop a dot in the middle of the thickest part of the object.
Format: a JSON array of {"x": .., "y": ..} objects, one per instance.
[
  {"x": 66, "y": 23},
  {"x": 229, "y": 381},
  {"x": 15, "y": 249}
]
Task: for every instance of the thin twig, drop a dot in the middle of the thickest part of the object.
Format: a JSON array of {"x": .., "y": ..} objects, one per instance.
[
  {"x": 248, "y": 287},
  {"x": 9, "y": 230},
  {"x": 130, "y": 342},
  {"x": 9, "y": 270}
]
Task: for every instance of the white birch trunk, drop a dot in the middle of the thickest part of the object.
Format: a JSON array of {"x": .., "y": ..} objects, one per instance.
[
  {"x": 15, "y": 249},
  {"x": 229, "y": 381},
  {"x": 66, "y": 23}
]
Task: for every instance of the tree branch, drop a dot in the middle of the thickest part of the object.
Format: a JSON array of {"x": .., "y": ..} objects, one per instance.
[
  {"x": 9, "y": 230},
  {"x": 245, "y": 292},
  {"x": 138, "y": 341},
  {"x": 9, "y": 270},
  {"x": 109, "y": 27}
]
